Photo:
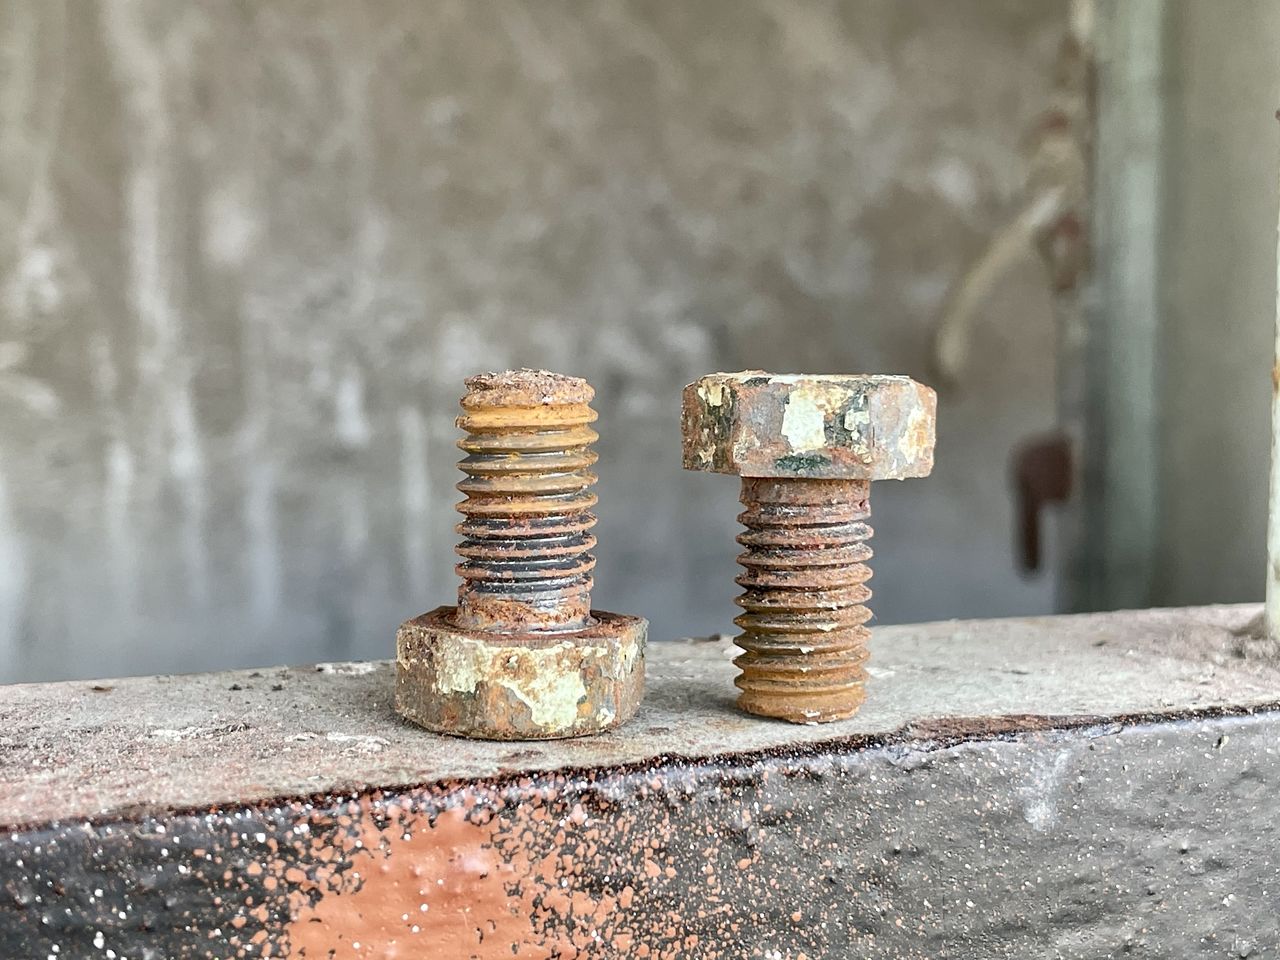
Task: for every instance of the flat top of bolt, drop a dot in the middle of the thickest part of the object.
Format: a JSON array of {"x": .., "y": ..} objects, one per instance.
[
  {"x": 526, "y": 388},
  {"x": 827, "y": 427}
]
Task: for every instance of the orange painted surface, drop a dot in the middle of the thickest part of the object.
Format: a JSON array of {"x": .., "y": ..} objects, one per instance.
[{"x": 541, "y": 882}]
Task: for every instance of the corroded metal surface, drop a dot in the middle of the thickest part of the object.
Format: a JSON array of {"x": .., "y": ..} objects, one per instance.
[
  {"x": 806, "y": 448},
  {"x": 523, "y": 656},
  {"x": 756, "y": 424},
  {"x": 527, "y": 686},
  {"x": 804, "y": 590},
  {"x": 526, "y": 534}
]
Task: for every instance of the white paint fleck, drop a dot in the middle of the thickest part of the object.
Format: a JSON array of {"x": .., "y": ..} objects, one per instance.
[
  {"x": 712, "y": 393},
  {"x": 551, "y": 694},
  {"x": 856, "y": 420},
  {"x": 358, "y": 668},
  {"x": 803, "y": 421},
  {"x": 917, "y": 428},
  {"x": 165, "y": 733}
]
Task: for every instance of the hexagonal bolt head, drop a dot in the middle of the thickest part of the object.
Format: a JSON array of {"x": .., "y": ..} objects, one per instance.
[{"x": 756, "y": 424}]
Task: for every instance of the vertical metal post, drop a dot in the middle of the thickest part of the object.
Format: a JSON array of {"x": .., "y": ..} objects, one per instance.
[
  {"x": 1272, "y": 608},
  {"x": 1121, "y": 497}
]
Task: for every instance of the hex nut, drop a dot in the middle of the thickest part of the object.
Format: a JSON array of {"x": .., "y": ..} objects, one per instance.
[
  {"x": 856, "y": 427},
  {"x": 528, "y": 687}
]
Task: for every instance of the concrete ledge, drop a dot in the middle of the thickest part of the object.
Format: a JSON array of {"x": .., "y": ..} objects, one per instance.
[
  {"x": 145, "y": 744},
  {"x": 1073, "y": 786}
]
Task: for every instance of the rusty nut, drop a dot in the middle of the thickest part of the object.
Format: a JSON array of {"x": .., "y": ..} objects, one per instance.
[{"x": 519, "y": 687}]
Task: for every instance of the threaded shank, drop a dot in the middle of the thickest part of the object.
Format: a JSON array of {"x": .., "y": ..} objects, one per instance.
[
  {"x": 804, "y": 590},
  {"x": 526, "y": 529}
]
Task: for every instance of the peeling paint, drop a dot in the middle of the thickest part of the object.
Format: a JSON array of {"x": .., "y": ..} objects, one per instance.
[{"x": 713, "y": 394}]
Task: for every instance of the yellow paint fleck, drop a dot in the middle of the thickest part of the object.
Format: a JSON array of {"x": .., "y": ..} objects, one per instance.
[{"x": 712, "y": 394}]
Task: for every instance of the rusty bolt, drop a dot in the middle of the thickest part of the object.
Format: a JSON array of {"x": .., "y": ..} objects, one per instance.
[
  {"x": 523, "y": 656},
  {"x": 807, "y": 449}
]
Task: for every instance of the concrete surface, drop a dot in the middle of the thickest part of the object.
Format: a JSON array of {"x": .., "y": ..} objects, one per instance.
[
  {"x": 106, "y": 748},
  {"x": 248, "y": 253},
  {"x": 1076, "y": 787}
]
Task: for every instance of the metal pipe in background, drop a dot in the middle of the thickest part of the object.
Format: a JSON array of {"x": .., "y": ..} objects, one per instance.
[{"x": 1271, "y": 609}]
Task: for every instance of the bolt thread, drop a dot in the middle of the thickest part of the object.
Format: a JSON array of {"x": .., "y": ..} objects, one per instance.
[
  {"x": 804, "y": 590},
  {"x": 526, "y": 529}
]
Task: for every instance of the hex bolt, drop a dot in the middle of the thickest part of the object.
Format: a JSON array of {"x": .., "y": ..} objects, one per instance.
[
  {"x": 523, "y": 656},
  {"x": 807, "y": 449}
]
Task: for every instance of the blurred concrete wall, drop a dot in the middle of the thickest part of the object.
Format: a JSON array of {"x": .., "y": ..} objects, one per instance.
[
  {"x": 249, "y": 251},
  {"x": 1218, "y": 284}
]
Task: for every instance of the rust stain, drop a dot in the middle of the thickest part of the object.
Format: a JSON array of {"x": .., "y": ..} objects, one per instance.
[
  {"x": 1044, "y": 472},
  {"x": 427, "y": 886}
]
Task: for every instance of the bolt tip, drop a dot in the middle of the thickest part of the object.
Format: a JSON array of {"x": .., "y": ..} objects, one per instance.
[{"x": 525, "y": 388}]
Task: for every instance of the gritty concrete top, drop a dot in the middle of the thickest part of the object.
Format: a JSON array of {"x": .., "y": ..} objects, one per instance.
[{"x": 86, "y": 749}]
